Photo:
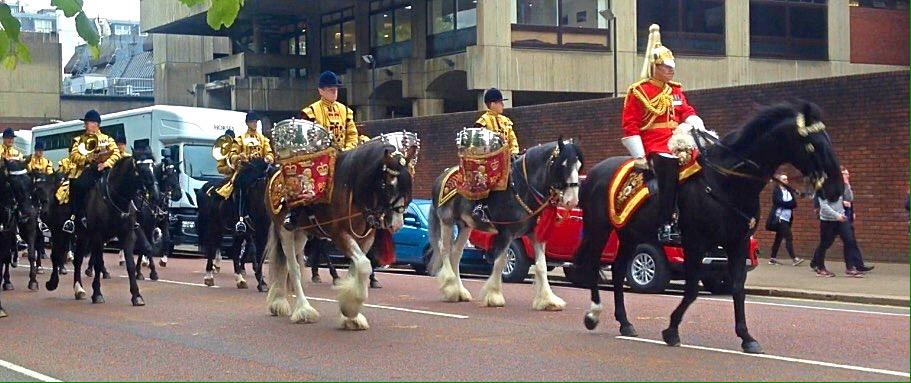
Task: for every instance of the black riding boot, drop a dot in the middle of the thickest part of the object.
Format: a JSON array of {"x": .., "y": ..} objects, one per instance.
[{"x": 666, "y": 173}]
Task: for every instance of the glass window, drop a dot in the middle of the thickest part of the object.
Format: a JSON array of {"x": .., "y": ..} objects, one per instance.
[
  {"x": 44, "y": 26},
  {"x": 703, "y": 17},
  {"x": 687, "y": 26},
  {"x": 665, "y": 13},
  {"x": 348, "y": 41},
  {"x": 536, "y": 12},
  {"x": 120, "y": 29},
  {"x": 767, "y": 20},
  {"x": 808, "y": 23},
  {"x": 302, "y": 42},
  {"x": 383, "y": 32},
  {"x": 403, "y": 24},
  {"x": 467, "y": 16},
  {"x": 442, "y": 16},
  {"x": 332, "y": 39},
  {"x": 789, "y": 29},
  {"x": 581, "y": 14},
  {"x": 198, "y": 161}
]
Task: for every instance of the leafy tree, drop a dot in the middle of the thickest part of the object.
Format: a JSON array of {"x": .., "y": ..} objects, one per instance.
[{"x": 221, "y": 13}]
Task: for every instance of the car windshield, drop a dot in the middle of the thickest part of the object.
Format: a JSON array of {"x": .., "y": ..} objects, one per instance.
[
  {"x": 424, "y": 208},
  {"x": 198, "y": 161}
]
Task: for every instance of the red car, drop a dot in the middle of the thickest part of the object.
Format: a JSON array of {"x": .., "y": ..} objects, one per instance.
[{"x": 650, "y": 270}]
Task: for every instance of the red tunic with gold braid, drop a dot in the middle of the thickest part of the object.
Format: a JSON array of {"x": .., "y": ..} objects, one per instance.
[{"x": 652, "y": 110}]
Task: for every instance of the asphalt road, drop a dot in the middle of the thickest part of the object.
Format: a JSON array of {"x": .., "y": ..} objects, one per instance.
[{"x": 191, "y": 332}]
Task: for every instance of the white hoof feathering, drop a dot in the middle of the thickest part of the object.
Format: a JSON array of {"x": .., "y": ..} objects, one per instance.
[
  {"x": 359, "y": 322},
  {"x": 492, "y": 298},
  {"x": 240, "y": 281},
  {"x": 209, "y": 279},
  {"x": 464, "y": 294},
  {"x": 350, "y": 296},
  {"x": 548, "y": 302},
  {"x": 279, "y": 307},
  {"x": 448, "y": 285},
  {"x": 78, "y": 290},
  {"x": 305, "y": 314}
]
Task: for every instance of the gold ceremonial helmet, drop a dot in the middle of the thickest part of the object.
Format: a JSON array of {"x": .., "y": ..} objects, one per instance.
[{"x": 655, "y": 53}]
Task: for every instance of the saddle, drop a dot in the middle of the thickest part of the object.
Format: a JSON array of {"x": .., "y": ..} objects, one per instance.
[
  {"x": 476, "y": 176},
  {"x": 630, "y": 187}
]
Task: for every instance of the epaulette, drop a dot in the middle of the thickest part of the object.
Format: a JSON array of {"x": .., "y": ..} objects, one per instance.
[
  {"x": 636, "y": 84},
  {"x": 675, "y": 84}
]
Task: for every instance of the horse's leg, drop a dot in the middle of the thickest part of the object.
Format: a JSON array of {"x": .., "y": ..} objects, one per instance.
[
  {"x": 78, "y": 258},
  {"x": 352, "y": 290},
  {"x": 737, "y": 256},
  {"x": 277, "y": 300},
  {"x": 618, "y": 272},
  {"x": 129, "y": 243},
  {"x": 455, "y": 259},
  {"x": 544, "y": 299},
  {"x": 692, "y": 262},
  {"x": 492, "y": 292},
  {"x": 33, "y": 261},
  {"x": 449, "y": 281},
  {"x": 237, "y": 256},
  {"x": 587, "y": 265},
  {"x": 211, "y": 253},
  {"x": 58, "y": 258},
  {"x": 324, "y": 252},
  {"x": 259, "y": 243},
  {"x": 96, "y": 261},
  {"x": 302, "y": 311}
]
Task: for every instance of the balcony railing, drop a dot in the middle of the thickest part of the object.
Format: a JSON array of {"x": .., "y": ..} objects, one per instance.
[{"x": 113, "y": 86}]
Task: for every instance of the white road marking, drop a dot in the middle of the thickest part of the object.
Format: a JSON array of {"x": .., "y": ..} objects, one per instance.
[
  {"x": 413, "y": 311},
  {"x": 27, "y": 372},
  {"x": 806, "y": 307},
  {"x": 777, "y": 357},
  {"x": 179, "y": 283}
]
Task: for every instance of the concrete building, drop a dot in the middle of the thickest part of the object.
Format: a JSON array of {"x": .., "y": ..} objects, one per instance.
[{"x": 424, "y": 57}]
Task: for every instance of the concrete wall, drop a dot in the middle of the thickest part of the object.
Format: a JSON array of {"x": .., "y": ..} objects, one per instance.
[
  {"x": 869, "y": 129},
  {"x": 30, "y": 94},
  {"x": 74, "y": 106},
  {"x": 178, "y": 65},
  {"x": 884, "y": 39}
]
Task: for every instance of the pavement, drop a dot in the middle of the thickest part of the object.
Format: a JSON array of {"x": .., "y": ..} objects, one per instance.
[{"x": 191, "y": 332}]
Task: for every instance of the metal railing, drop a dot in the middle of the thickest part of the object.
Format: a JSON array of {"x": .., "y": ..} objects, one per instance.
[{"x": 114, "y": 86}]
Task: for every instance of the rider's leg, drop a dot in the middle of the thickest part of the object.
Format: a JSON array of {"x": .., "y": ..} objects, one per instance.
[
  {"x": 240, "y": 226},
  {"x": 666, "y": 168}
]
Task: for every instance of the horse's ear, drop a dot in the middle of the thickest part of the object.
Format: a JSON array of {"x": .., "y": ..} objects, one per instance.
[{"x": 560, "y": 143}]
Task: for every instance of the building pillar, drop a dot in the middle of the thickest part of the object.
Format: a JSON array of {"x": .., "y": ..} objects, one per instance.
[
  {"x": 629, "y": 62},
  {"x": 314, "y": 47},
  {"x": 839, "y": 30},
  {"x": 737, "y": 41},
  {"x": 419, "y": 30},
  {"x": 257, "y": 37},
  {"x": 427, "y": 107},
  {"x": 507, "y": 95}
]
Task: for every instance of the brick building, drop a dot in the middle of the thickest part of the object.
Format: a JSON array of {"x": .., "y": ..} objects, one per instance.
[{"x": 867, "y": 118}]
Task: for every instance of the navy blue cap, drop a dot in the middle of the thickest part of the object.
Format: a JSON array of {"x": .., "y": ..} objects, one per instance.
[
  {"x": 39, "y": 145},
  {"x": 493, "y": 95},
  {"x": 120, "y": 139},
  {"x": 329, "y": 79},
  {"x": 251, "y": 116},
  {"x": 93, "y": 116},
  {"x": 8, "y": 133},
  {"x": 230, "y": 132}
]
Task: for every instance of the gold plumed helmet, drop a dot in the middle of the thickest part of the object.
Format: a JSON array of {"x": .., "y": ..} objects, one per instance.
[{"x": 655, "y": 53}]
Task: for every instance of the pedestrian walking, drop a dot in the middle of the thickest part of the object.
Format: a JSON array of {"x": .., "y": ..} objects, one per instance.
[
  {"x": 784, "y": 201},
  {"x": 834, "y": 221}
]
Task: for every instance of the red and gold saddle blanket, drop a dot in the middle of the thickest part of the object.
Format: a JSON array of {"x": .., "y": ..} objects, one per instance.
[
  {"x": 476, "y": 176},
  {"x": 627, "y": 190},
  {"x": 302, "y": 180}
]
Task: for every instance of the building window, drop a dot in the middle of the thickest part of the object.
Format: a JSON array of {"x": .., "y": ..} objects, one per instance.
[
  {"x": 297, "y": 41},
  {"x": 793, "y": 30},
  {"x": 687, "y": 26},
  {"x": 338, "y": 32},
  {"x": 390, "y": 26},
  {"x": 44, "y": 26},
  {"x": 451, "y": 26},
  {"x": 561, "y": 24},
  {"x": 121, "y": 29},
  {"x": 882, "y": 4}
]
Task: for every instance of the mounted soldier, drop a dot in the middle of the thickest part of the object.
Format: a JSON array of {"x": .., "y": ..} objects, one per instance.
[
  {"x": 654, "y": 107},
  {"x": 7, "y": 150},
  {"x": 250, "y": 145},
  {"x": 91, "y": 154},
  {"x": 494, "y": 121},
  {"x": 38, "y": 163}
]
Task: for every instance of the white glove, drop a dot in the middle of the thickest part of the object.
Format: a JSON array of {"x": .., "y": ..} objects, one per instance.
[
  {"x": 696, "y": 122},
  {"x": 634, "y": 145}
]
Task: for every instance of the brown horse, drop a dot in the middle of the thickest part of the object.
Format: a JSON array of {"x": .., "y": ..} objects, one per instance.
[{"x": 372, "y": 188}]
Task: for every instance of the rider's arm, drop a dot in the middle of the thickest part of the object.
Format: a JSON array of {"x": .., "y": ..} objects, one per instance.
[
  {"x": 267, "y": 151},
  {"x": 513, "y": 141},
  {"x": 116, "y": 155},
  {"x": 76, "y": 158},
  {"x": 351, "y": 135},
  {"x": 631, "y": 120}
]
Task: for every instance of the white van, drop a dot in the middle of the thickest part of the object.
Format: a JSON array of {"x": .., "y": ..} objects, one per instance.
[{"x": 185, "y": 133}]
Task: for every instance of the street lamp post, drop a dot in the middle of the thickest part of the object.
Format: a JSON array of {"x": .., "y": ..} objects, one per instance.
[
  {"x": 608, "y": 14},
  {"x": 369, "y": 59}
]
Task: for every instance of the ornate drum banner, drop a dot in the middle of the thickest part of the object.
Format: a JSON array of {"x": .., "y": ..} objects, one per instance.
[
  {"x": 484, "y": 163},
  {"x": 307, "y": 164}
]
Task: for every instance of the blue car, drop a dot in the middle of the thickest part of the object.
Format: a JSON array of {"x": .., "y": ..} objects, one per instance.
[{"x": 412, "y": 243}]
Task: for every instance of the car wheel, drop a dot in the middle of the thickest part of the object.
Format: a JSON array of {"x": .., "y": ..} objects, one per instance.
[
  {"x": 517, "y": 263},
  {"x": 647, "y": 271},
  {"x": 718, "y": 284},
  {"x": 421, "y": 268}
]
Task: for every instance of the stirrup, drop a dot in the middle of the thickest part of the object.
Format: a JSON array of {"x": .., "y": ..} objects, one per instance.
[
  {"x": 69, "y": 226},
  {"x": 669, "y": 234},
  {"x": 480, "y": 213},
  {"x": 43, "y": 227},
  {"x": 240, "y": 226}
]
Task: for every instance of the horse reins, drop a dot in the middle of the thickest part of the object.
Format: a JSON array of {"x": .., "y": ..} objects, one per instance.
[{"x": 538, "y": 196}]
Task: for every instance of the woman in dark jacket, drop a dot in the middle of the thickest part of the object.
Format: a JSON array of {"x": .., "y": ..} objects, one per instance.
[{"x": 784, "y": 201}]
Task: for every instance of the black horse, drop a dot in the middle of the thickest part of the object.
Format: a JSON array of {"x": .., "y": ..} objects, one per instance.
[
  {"x": 717, "y": 207},
  {"x": 16, "y": 211},
  {"x": 216, "y": 217},
  {"x": 546, "y": 174},
  {"x": 42, "y": 192},
  {"x": 110, "y": 212},
  {"x": 153, "y": 216}
]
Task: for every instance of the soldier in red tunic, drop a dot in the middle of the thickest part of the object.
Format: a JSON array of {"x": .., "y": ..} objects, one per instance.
[{"x": 655, "y": 106}]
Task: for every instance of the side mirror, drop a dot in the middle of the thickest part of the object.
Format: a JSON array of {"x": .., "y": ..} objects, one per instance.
[{"x": 412, "y": 220}]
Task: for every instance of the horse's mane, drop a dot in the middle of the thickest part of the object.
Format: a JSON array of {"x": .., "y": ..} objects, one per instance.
[
  {"x": 762, "y": 121},
  {"x": 254, "y": 169},
  {"x": 361, "y": 168}
]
